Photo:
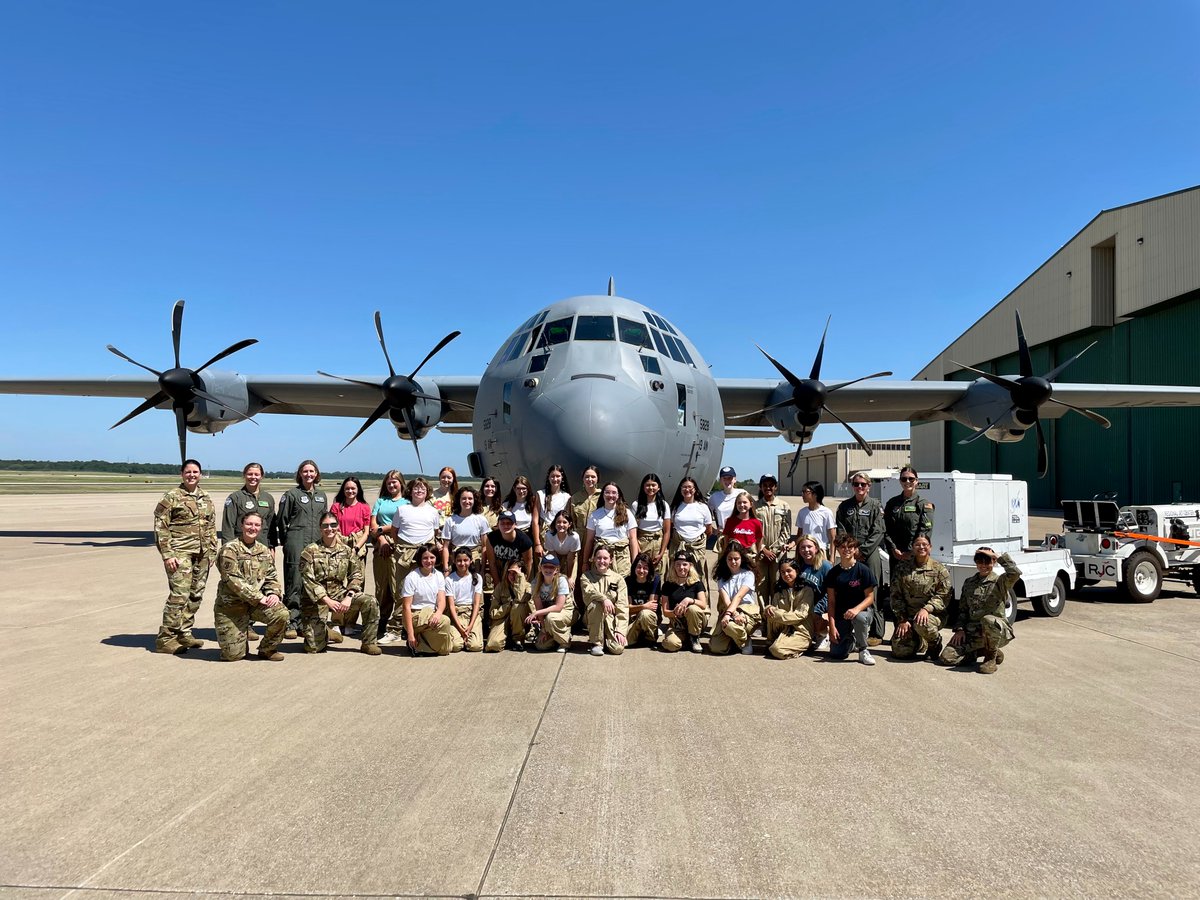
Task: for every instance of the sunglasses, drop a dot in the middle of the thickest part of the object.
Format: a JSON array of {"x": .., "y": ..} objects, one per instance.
[
  {"x": 908, "y": 479},
  {"x": 984, "y": 560},
  {"x": 859, "y": 484},
  {"x": 328, "y": 526}
]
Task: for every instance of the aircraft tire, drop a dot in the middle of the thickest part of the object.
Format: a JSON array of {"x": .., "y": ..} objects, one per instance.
[{"x": 1142, "y": 578}]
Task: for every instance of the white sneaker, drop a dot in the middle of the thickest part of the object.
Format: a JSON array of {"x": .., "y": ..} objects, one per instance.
[
  {"x": 560, "y": 649},
  {"x": 335, "y": 629},
  {"x": 865, "y": 657},
  {"x": 597, "y": 650},
  {"x": 823, "y": 647},
  {"x": 389, "y": 638}
]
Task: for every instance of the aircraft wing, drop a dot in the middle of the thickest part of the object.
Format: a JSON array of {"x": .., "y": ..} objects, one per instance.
[{"x": 926, "y": 401}]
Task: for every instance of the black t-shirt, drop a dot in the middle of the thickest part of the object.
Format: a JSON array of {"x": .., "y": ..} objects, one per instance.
[
  {"x": 849, "y": 586},
  {"x": 639, "y": 592},
  {"x": 675, "y": 592},
  {"x": 507, "y": 551}
]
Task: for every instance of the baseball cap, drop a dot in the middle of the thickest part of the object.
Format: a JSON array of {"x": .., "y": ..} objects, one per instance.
[
  {"x": 549, "y": 560},
  {"x": 728, "y": 471},
  {"x": 506, "y": 515}
]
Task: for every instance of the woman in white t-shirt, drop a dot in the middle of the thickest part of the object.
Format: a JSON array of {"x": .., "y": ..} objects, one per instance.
[
  {"x": 563, "y": 542},
  {"x": 523, "y": 503},
  {"x": 552, "y": 607},
  {"x": 613, "y": 527},
  {"x": 464, "y": 598},
  {"x": 413, "y": 526},
  {"x": 653, "y": 517},
  {"x": 427, "y": 629},
  {"x": 737, "y": 605},
  {"x": 692, "y": 524},
  {"x": 814, "y": 518},
  {"x": 465, "y": 527},
  {"x": 554, "y": 497}
]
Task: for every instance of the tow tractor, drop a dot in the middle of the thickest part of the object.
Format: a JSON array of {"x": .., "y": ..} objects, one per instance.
[{"x": 1138, "y": 547}]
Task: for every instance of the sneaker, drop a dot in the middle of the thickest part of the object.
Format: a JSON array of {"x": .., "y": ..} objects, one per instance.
[
  {"x": 874, "y": 641},
  {"x": 390, "y": 638},
  {"x": 748, "y": 650},
  {"x": 865, "y": 657},
  {"x": 560, "y": 649},
  {"x": 823, "y": 647},
  {"x": 519, "y": 646},
  {"x": 335, "y": 629},
  {"x": 596, "y": 650},
  {"x": 696, "y": 648},
  {"x": 371, "y": 649},
  {"x": 291, "y": 634}
]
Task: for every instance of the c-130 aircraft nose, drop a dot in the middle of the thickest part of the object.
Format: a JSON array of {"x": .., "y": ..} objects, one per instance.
[{"x": 593, "y": 420}]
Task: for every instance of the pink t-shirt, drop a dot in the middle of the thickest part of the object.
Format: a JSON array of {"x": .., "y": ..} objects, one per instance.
[{"x": 352, "y": 519}]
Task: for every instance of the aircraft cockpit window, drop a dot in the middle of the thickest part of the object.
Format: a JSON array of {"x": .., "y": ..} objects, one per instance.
[
  {"x": 556, "y": 332},
  {"x": 658, "y": 342},
  {"x": 634, "y": 333},
  {"x": 594, "y": 328},
  {"x": 528, "y": 323},
  {"x": 538, "y": 363},
  {"x": 666, "y": 326},
  {"x": 514, "y": 347},
  {"x": 650, "y": 364},
  {"x": 673, "y": 348},
  {"x": 687, "y": 356}
]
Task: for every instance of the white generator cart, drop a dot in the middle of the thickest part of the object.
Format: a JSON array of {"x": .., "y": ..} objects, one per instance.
[
  {"x": 1138, "y": 547},
  {"x": 972, "y": 511}
]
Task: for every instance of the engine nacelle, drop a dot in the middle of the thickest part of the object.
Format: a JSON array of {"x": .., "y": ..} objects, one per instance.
[
  {"x": 426, "y": 413},
  {"x": 230, "y": 389},
  {"x": 989, "y": 406},
  {"x": 787, "y": 420}
]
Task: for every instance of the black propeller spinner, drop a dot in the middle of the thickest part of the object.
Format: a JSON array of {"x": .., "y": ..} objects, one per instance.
[
  {"x": 400, "y": 392},
  {"x": 1029, "y": 391},
  {"x": 180, "y": 385},
  {"x": 809, "y": 396}
]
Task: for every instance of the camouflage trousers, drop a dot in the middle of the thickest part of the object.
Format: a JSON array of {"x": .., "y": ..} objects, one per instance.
[
  {"x": 315, "y": 627},
  {"x": 993, "y": 631},
  {"x": 788, "y": 641},
  {"x": 233, "y": 618},
  {"x": 643, "y": 626},
  {"x": 733, "y": 636},
  {"x": 917, "y": 640},
  {"x": 186, "y": 586},
  {"x": 692, "y": 624}
]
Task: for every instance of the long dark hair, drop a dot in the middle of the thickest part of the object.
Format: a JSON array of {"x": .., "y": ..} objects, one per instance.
[
  {"x": 565, "y": 487},
  {"x": 496, "y": 503},
  {"x": 341, "y": 494},
  {"x": 678, "y": 499},
  {"x": 641, "y": 503},
  {"x": 723, "y": 570}
]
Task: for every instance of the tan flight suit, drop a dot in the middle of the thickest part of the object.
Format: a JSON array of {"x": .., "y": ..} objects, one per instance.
[
  {"x": 511, "y": 605},
  {"x": 621, "y": 563},
  {"x": 603, "y": 627},
  {"x": 403, "y": 559},
  {"x": 776, "y": 518},
  {"x": 247, "y": 576},
  {"x": 735, "y": 635},
  {"x": 693, "y": 623},
  {"x": 650, "y": 543},
  {"x": 431, "y": 639},
  {"x": 333, "y": 572},
  {"x": 555, "y": 628},
  {"x": 789, "y": 633},
  {"x": 185, "y": 529},
  {"x": 474, "y": 639}
]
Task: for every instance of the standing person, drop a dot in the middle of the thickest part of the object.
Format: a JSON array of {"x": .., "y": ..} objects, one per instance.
[
  {"x": 611, "y": 526},
  {"x": 905, "y": 518},
  {"x": 506, "y": 545},
  {"x": 414, "y": 527},
  {"x": 464, "y": 595},
  {"x": 563, "y": 542},
  {"x": 744, "y": 527},
  {"x": 427, "y": 628},
  {"x": 354, "y": 524},
  {"x": 185, "y": 532},
  {"x": 981, "y": 625},
  {"x": 550, "y": 613},
  {"x": 737, "y": 604},
  {"x": 464, "y": 528},
  {"x": 555, "y": 497},
  {"x": 607, "y": 605},
  {"x": 776, "y": 518},
  {"x": 523, "y": 504},
  {"x": 919, "y": 598},
  {"x": 815, "y": 517},
  {"x": 249, "y": 589},
  {"x": 298, "y": 524},
  {"x": 789, "y": 614},
  {"x": 391, "y": 498},
  {"x": 684, "y": 604},
  {"x": 490, "y": 506},
  {"x": 643, "y": 586},
  {"x": 693, "y": 525},
  {"x": 443, "y": 498},
  {"x": 861, "y": 516},
  {"x": 510, "y": 605},
  {"x": 249, "y": 498},
  {"x": 333, "y": 577},
  {"x": 653, "y": 516},
  {"x": 849, "y": 593},
  {"x": 721, "y": 502},
  {"x": 585, "y": 500}
]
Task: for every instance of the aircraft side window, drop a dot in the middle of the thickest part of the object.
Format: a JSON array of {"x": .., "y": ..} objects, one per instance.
[
  {"x": 634, "y": 333},
  {"x": 658, "y": 342},
  {"x": 666, "y": 326},
  {"x": 681, "y": 392},
  {"x": 650, "y": 364},
  {"x": 517, "y": 345},
  {"x": 538, "y": 363},
  {"x": 686, "y": 356},
  {"x": 556, "y": 332},
  {"x": 594, "y": 328},
  {"x": 673, "y": 347},
  {"x": 508, "y": 402}
]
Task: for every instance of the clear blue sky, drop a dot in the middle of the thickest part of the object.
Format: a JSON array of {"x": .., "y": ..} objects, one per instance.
[{"x": 290, "y": 167}]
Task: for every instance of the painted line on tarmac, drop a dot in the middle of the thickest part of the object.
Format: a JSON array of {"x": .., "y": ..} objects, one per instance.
[{"x": 1132, "y": 641}]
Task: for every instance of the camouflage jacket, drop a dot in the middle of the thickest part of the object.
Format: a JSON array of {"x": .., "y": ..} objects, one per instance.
[
  {"x": 986, "y": 596},
  {"x": 185, "y": 523},
  {"x": 330, "y": 571},
  {"x": 921, "y": 587},
  {"x": 247, "y": 573}
]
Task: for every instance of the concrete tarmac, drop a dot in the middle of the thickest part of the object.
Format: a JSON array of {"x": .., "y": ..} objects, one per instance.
[{"x": 1072, "y": 772}]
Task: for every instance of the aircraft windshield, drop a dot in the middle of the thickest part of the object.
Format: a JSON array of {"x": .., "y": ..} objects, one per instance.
[
  {"x": 634, "y": 333},
  {"x": 595, "y": 328}
]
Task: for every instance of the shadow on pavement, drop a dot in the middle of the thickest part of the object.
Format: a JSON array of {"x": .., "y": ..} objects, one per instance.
[{"x": 93, "y": 538}]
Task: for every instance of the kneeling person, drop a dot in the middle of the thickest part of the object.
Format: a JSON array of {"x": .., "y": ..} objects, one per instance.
[
  {"x": 332, "y": 573},
  {"x": 982, "y": 626},
  {"x": 549, "y": 619},
  {"x": 249, "y": 589},
  {"x": 607, "y": 603},
  {"x": 919, "y": 598}
]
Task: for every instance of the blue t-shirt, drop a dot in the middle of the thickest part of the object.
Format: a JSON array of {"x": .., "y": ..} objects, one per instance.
[
  {"x": 385, "y": 508},
  {"x": 816, "y": 577}
]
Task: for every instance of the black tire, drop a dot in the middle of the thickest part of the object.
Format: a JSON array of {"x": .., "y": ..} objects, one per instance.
[
  {"x": 1053, "y": 603},
  {"x": 1196, "y": 579},
  {"x": 1010, "y": 608},
  {"x": 1081, "y": 582},
  {"x": 1142, "y": 577}
]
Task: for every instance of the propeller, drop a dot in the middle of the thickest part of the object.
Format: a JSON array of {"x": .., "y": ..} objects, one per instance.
[
  {"x": 809, "y": 396},
  {"x": 180, "y": 385},
  {"x": 1029, "y": 392},
  {"x": 400, "y": 392}
]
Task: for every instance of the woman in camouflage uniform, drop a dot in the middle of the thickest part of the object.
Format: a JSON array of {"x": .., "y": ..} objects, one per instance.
[
  {"x": 185, "y": 531},
  {"x": 981, "y": 626},
  {"x": 333, "y": 577}
]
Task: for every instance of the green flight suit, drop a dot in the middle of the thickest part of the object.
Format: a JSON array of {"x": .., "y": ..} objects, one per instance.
[
  {"x": 297, "y": 524},
  {"x": 240, "y": 504}
]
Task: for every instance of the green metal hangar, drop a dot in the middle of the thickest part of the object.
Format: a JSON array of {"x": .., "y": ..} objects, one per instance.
[{"x": 1129, "y": 280}]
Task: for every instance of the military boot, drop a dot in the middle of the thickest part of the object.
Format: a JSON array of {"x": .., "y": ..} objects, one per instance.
[
  {"x": 371, "y": 649},
  {"x": 273, "y": 656},
  {"x": 935, "y": 649},
  {"x": 999, "y": 657},
  {"x": 171, "y": 646},
  {"x": 190, "y": 642},
  {"x": 252, "y": 635},
  {"x": 988, "y": 666},
  {"x": 334, "y": 635}
]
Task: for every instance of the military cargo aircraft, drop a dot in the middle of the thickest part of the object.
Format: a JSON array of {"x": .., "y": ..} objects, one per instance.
[{"x": 603, "y": 380}]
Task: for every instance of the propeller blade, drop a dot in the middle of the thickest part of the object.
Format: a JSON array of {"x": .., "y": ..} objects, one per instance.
[
  {"x": 228, "y": 351},
  {"x": 788, "y": 376},
  {"x": 838, "y": 387},
  {"x": 815, "y": 375},
  {"x": 858, "y": 437},
  {"x": 349, "y": 380},
  {"x": 795, "y": 461},
  {"x": 1087, "y": 413},
  {"x": 142, "y": 407},
  {"x": 371, "y": 420},
  {"x": 408, "y": 423},
  {"x": 766, "y": 409},
  {"x": 383, "y": 344},
  {"x": 994, "y": 379},
  {"x": 428, "y": 356},
  {"x": 982, "y": 431},
  {"x": 112, "y": 349},
  {"x": 181, "y": 428},
  {"x": 176, "y": 327},
  {"x": 209, "y": 398},
  {"x": 1043, "y": 465},
  {"x": 1026, "y": 361},
  {"x": 1057, "y": 370}
]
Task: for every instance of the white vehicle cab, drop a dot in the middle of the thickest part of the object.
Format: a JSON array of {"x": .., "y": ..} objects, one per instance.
[
  {"x": 972, "y": 511},
  {"x": 1138, "y": 547}
]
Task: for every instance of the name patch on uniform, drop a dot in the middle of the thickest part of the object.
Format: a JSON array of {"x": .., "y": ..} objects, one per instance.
[
  {"x": 320, "y": 498},
  {"x": 263, "y": 503}
]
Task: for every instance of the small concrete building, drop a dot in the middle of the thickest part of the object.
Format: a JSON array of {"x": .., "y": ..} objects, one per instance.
[
  {"x": 831, "y": 464},
  {"x": 1129, "y": 281}
]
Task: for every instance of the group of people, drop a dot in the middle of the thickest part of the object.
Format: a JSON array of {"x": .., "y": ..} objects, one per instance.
[{"x": 463, "y": 568}]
